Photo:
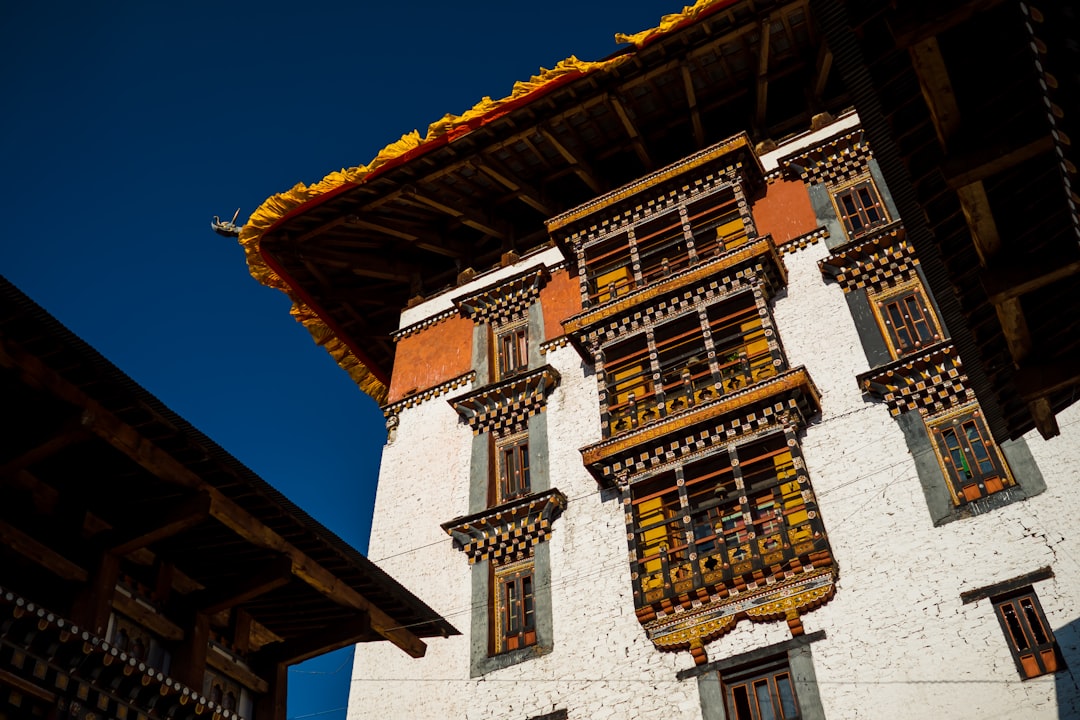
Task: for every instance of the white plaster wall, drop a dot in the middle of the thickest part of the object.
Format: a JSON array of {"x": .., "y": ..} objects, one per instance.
[
  {"x": 601, "y": 667},
  {"x": 899, "y": 642}
]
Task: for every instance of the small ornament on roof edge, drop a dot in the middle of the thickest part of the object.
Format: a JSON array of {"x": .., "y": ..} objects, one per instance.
[{"x": 228, "y": 228}]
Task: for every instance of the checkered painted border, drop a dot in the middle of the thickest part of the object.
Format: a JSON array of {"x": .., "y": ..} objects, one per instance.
[
  {"x": 677, "y": 303},
  {"x": 506, "y": 407},
  {"x": 425, "y": 323},
  {"x": 509, "y": 532},
  {"x": 931, "y": 381},
  {"x": 837, "y": 160},
  {"x": 429, "y": 394},
  {"x": 506, "y": 301},
  {"x": 803, "y": 241},
  {"x": 884, "y": 260}
]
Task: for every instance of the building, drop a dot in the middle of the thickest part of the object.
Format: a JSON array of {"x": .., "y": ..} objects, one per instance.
[
  {"x": 144, "y": 571},
  {"x": 733, "y": 403}
]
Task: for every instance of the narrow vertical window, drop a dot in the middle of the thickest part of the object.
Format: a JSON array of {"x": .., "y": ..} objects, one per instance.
[
  {"x": 860, "y": 208},
  {"x": 512, "y": 468},
  {"x": 1030, "y": 639},
  {"x": 512, "y": 348},
  {"x": 907, "y": 322},
  {"x": 969, "y": 458},
  {"x": 515, "y": 608}
]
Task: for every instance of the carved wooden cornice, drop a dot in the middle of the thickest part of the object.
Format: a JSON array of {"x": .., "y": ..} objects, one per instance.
[
  {"x": 507, "y": 532},
  {"x": 497, "y": 408}
]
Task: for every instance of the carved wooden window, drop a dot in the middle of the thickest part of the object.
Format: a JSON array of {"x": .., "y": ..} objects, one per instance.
[
  {"x": 1031, "y": 641},
  {"x": 514, "y": 608},
  {"x": 860, "y": 208},
  {"x": 737, "y": 511},
  {"x": 970, "y": 459},
  {"x": 716, "y": 224},
  {"x": 608, "y": 269},
  {"x": 512, "y": 467},
  {"x": 512, "y": 349},
  {"x": 906, "y": 319},
  {"x": 734, "y": 332},
  {"x": 661, "y": 246},
  {"x": 762, "y": 692}
]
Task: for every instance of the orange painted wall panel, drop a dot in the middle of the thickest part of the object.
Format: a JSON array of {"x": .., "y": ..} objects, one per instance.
[
  {"x": 560, "y": 298},
  {"x": 427, "y": 358},
  {"x": 784, "y": 211}
]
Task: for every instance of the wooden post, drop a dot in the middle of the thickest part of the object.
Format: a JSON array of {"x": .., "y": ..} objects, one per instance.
[
  {"x": 189, "y": 665},
  {"x": 93, "y": 603},
  {"x": 271, "y": 705}
]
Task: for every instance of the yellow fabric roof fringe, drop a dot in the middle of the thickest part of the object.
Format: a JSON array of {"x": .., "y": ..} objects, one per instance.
[{"x": 278, "y": 206}]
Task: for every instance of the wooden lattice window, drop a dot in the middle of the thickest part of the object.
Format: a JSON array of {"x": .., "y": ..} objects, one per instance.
[
  {"x": 860, "y": 208},
  {"x": 512, "y": 467},
  {"x": 1031, "y": 641},
  {"x": 608, "y": 270},
  {"x": 514, "y": 607},
  {"x": 906, "y": 318},
  {"x": 968, "y": 455},
  {"x": 512, "y": 349},
  {"x": 762, "y": 692}
]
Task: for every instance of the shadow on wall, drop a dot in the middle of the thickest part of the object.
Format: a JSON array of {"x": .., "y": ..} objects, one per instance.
[{"x": 1067, "y": 681}]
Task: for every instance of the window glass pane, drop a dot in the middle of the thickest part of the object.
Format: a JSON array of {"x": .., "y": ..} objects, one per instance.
[
  {"x": 959, "y": 462},
  {"x": 787, "y": 697},
  {"x": 764, "y": 700},
  {"x": 978, "y": 448}
]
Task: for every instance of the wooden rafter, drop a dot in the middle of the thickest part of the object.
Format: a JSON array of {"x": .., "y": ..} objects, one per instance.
[
  {"x": 15, "y": 539},
  {"x": 580, "y": 167},
  {"x": 71, "y": 432},
  {"x": 691, "y": 101},
  {"x": 424, "y": 241},
  {"x": 632, "y": 131},
  {"x": 256, "y": 581},
  {"x": 763, "y": 71},
  {"x": 183, "y": 515},
  {"x": 522, "y": 190},
  {"x": 822, "y": 68},
  {"x": 989, "y": 160},
  {"x": 145, "y": 453},
  {"x": 463, "y": 214},
  {"x": 342, "y": 634}
]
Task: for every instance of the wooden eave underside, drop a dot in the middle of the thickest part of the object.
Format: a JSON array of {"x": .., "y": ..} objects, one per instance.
[
  {"x": 952, "y": 104},
  {"x": 93, "y": 464},
  {"x": 410, "y": 231}
]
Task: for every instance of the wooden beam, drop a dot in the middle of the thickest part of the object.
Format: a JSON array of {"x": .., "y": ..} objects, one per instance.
[
  {"x": 462, "y": 215},
  {"x": 1038, "y": 380},
  {"x": 342, "y": 634},
  {"x": 763, "y": 71},
  {"x": 271, "y": 705},
  {"x": 1043, "y": 414},
  {"x": 980, "y": 219},
  {"x": 936, "y": 88},
  {"x": 525, "y": 192},
  {"x": 691, "y": 101},
  {"x": 226, "y": 665},
  {"x": 147, "y": 617},
  {"x": 15, "y": 539},
  {"x": 421, "y": 240},
  {"x": 186, "y": 514},
  {"x": 1009, "y": 280},
  {"x": 25, "y": 686},
  {"x": 94, "y": 602},
  {"x": 989, "y": 160},
  {"x": 70, "y": 433},
  {"x": 915, "y": 22},
  {"x": 824, "y": 65},
  {"x": 581, "y": 169},
  {"x": 631, "y": 130},
  {"x": 189, "y": 661},
  {"x": 141, "y": 450},
  {"x": 1015, "y": 328},
  {"x": 254, "y": 581}
]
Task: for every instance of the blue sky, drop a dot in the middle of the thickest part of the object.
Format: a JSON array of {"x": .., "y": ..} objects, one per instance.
[{"x": 128, "y": 125}]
